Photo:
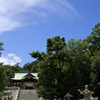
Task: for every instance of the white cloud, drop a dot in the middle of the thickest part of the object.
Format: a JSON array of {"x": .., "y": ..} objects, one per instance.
[
  {"x": 10, "y": 59},
  {"x": 7, "y": 24},
  {"x": 14, "y": 12}
]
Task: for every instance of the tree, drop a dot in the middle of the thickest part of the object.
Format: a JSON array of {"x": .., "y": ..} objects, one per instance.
[
  {"x": 8, "y": 70},
  {"x": 27, "y": 66},
  {"x": 94, "y": 40},
  {"x": 95, "y": 74},
  {"x": 2, "y": 81},
  {"x": 94, "y": 47},
  {"x": 9, "y": 73},
  {"x": 2, "y": 75},
  {"x": 33, "y": 66},
  {"x": 54, "y": 78},
  {"x": 16, "y": 68},
  {"x": 80, "y": 59},
  {"x": 68, "y": 67},
  {"x": 80, "y": 64},
  {"x": 1, "y": 44}
]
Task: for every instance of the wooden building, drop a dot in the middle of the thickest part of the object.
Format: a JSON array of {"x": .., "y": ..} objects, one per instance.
[{"x": 24, "y": 80}]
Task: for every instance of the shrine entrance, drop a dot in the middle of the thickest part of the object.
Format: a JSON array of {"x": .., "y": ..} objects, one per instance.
[
  {"x": 26, "y": 82},
  {"x": 28, "y": 85}
]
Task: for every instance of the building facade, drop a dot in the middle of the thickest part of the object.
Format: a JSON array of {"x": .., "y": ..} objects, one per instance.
[{"x": 24, "y": 80}]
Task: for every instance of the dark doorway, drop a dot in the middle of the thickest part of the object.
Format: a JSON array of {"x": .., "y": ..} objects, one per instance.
[{"x": 29, "y": 88}]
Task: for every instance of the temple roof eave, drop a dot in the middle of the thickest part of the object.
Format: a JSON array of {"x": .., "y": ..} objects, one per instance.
[{"x": 21, "y": 76}]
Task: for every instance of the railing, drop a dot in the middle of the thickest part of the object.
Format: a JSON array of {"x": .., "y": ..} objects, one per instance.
[
  {"x": 18, "y": 93},
  {"x": 12, "y": 88},
  {"x": 15, "y": 92}
]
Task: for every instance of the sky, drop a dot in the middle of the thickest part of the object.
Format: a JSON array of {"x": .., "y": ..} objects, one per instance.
[{"x": 25, "y": 25}]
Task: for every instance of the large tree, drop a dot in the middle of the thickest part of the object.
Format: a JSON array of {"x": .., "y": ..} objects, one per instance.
[
  {"x": 2, "y": 75},
  {"x": 2, "y": 80},
  {"x": 80, "y": 60},
  {"x": 66, "y": 67},
  {"x": 94, "y": 40},
  {"x": 95, "y": 75},
  {"x": 59, "y": 67},
  {"x": 80, "y": 65},
  {"x": 94, "y": 47},
  {"x": 52, "y": 66}
]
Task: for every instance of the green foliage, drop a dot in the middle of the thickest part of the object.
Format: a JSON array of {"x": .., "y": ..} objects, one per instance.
[
  {"x": 27, "y": 66},
  {"x": 94, "y": 40},
  {"x": 2, "y": 80},
  {"x": 55, "y": 45},
  {"x": 79, "y": 71},
  {"x": 1, "y": 44},
  {"x": 16, "y": 68},
  {"x": 63, "y": 66},
  {"x": 8, "y": 70},
  {"x": 51, "y": 68},
  {"x": 33, "y": 67},
  {"x": 68, "y": 67},
  {"x": 2, "y": 75},
  {"x": 94, "y": 48},
  {"x": 95, "y": 72}
]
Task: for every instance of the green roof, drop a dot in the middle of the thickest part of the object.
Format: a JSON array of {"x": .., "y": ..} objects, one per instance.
[{"x": 20, "y": 76}]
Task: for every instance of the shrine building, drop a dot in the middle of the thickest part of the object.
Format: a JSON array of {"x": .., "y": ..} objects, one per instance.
[{"x": 24, "y": 80}]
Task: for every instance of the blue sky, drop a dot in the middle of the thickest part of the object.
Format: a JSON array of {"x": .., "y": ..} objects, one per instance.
[{"x": 25, "y": 25}]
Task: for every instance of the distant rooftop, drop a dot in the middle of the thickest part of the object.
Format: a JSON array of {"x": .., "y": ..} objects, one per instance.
[{"x": 21, "y": 75}]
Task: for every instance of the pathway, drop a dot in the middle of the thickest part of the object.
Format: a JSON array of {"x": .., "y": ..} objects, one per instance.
[{"x": 28, "y": 95}]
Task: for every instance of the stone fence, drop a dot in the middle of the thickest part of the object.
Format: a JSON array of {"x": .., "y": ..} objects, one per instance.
[{"x": 15, "y": 91}]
